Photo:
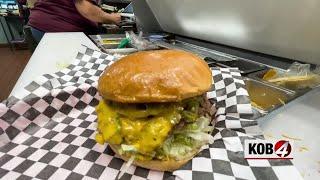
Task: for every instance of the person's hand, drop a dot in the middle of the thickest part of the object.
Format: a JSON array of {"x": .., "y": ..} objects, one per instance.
[{"x": 115, "y": 18}]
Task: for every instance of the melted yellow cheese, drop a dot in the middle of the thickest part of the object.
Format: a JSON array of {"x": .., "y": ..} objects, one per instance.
[
  {"x": 130, "y": 129},
  {"x": 140, "y": 110},
  {"x": 108, "y": 126},
  {"x": 153, "y": 135},
  {"x": 145, "y": 134}
]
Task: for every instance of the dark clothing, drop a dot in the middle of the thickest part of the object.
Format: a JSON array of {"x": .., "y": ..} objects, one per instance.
[
  {"x": 59, "y": 16},
  {"x": 22, "y": 2}
]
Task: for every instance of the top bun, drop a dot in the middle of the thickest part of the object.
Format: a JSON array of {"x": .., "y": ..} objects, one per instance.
[{"x": 155, "y": 76}]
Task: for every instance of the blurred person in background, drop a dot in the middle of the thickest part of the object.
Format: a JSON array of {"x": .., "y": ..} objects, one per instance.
[{"x": 68, "y": 16}]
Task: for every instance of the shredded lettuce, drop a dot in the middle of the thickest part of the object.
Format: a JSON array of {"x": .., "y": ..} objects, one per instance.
[
  {"x": 128, "y": 148},
  {"x": 190, "y": 109},
  {"x": 201, "y": 125},
  {"x": 201, "y": 136},
  {"x": 190, "y": 137},
  {"x": 181, "y": 142},
  {"x": 131, "y": 150},
  {"x": 189, "y": 116}
]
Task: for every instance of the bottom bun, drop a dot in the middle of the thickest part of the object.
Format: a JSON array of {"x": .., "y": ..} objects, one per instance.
[{"x": 167, "y": 165}]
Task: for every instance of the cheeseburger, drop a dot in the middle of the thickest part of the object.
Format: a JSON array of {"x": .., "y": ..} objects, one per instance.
[{"x": 154, "y": 112}]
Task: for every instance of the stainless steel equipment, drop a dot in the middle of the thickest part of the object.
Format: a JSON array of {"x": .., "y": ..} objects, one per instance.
[
  {"x": 145, "y": 19},
  {"x": 245, "y": 67},
  {"x": 199, "y": 25},
  {"x": 287, "y": 28}
]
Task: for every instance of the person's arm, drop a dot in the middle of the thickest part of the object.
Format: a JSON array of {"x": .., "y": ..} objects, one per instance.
[{"x": 95, "y": 14}]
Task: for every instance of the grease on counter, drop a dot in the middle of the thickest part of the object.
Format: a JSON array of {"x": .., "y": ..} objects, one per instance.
[
  {"x": 291, "y": 138},
  {"x": 270, "y": 136},
  {"x": 282, "y": 102},
  {"x": 303, "y": 149}
]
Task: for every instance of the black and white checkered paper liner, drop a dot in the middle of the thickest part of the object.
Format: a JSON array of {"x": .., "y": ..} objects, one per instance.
[{"x": 47, "y": 131}]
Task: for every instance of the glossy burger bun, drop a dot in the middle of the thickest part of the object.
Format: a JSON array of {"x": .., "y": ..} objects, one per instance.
[
  {"x": 158, "y": 165},
  {"x": 155, "y": 76}
]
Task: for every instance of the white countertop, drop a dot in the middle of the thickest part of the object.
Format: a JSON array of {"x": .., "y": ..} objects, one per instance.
[
  {"x": 54, "y": 52},
  {"x": 299, "y": 119}
]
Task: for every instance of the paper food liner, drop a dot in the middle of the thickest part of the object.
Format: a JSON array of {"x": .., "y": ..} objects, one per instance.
[{"x": 47, "y": 131}]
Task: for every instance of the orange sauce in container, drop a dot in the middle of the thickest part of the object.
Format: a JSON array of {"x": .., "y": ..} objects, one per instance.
[{"x": 265, "y": 97}]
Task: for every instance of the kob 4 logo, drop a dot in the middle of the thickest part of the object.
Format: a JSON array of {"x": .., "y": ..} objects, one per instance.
[{"x": 264, "y": 149}]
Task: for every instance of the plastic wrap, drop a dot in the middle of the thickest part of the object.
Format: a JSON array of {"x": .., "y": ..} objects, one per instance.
[
  {"x": 140, "y": 43},
  {"x": 298, "y": 76}
]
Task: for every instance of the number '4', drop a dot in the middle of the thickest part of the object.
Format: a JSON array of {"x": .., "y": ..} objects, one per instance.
[{"x": 283, "y": 150}]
